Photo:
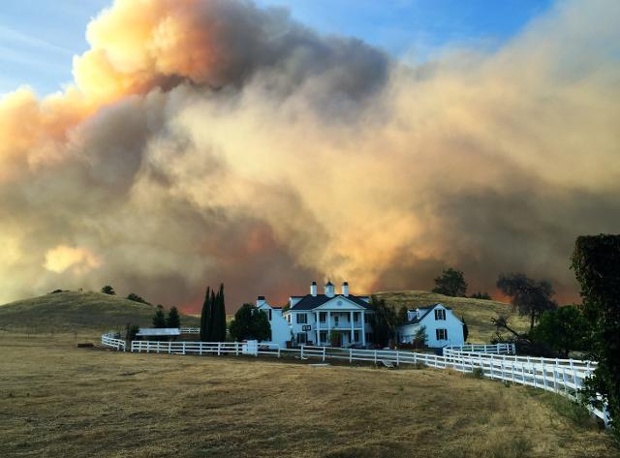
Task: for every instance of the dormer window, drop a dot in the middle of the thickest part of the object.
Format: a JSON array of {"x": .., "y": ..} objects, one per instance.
[{"x": 440, "y": 314}]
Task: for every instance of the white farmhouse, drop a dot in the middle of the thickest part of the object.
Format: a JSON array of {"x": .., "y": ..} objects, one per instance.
[
  {"x": 327, "y": 319},
  {"x": 442, "y": 327},
  {"x": 280, "y": 329}
]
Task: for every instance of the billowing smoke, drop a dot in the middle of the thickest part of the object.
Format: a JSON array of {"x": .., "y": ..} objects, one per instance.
[{"x": 208, "y": 141}]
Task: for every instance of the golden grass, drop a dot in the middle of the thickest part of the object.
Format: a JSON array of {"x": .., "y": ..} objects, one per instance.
[
  {"x": 57, "y": 400},
  {"x": 477, "y": 312},
  {"x": 76, "y": 311}
]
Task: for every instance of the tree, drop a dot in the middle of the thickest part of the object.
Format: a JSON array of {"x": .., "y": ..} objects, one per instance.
[
  {"x": 213, "y": 316},
  {"x": 402, "y": 315},
  {"x": 218, "y": 331},
  {"x": 562, "y": 330},
  {"x": 107, "y": 289},
  {"x": 383, "y": 320},
  {"x": 134, "y": 297},
  {"x": 596, "y": 261},
  {"x": 159, "y": 319},
  {"x": 250, "y": 323},
  {"x": 465, "y": 329},
  {"x": 481, "y": 295},
  {"x": 205, "y": 318},
  {"x": 451, "y": 283},
  {"x": 530, "y": 297},
  {"x": 174, "y": 319}
]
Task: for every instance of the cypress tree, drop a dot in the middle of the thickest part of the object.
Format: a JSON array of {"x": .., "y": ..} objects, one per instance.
[
  {"x": 204, "y": 316},
  {"x": 220, "y": 316},
  {"x": 210, "y": 312}
]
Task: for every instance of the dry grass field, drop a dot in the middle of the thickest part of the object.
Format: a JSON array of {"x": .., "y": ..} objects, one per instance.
[{"x": 57, "y": 400}]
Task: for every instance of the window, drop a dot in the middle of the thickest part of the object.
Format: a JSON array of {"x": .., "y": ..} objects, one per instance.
[
  {"x": 302, "y": 318},
  {"x": 441, "y": 334},
  {"x": 356, "y": 336},
  {"x": 268, "y": 312},
  {"x": 356, "y": 317},
  {"x": 302, "y": 337},
  {"x": 323, "y": 336},
  {"x": 322, "y": 317},
  {"x": 440, "y": 314}
]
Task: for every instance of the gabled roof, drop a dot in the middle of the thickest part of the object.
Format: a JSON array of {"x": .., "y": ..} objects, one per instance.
[
  {"x": 424, "y": 311},
  {"x": 310, "y": 302}
]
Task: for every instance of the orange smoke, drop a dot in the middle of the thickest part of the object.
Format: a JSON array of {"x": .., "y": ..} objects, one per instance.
[{"x": 208, "y": 141}]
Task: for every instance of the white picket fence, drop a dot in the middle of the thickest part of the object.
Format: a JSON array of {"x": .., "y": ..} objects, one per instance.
[{"x": 563, "y": 376}]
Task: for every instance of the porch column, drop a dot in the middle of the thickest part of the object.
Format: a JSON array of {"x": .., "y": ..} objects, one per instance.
[
  {"x": 363, "y": 328},
  {"x": 329, "y": 325},
  {"x": 318, "y": 329},
  {"x": 351, "y": 326}
]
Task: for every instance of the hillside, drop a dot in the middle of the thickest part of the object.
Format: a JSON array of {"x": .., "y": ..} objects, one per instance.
[
  {"x": 72, "y": 311},
  {"x": 477, "y": 312}
]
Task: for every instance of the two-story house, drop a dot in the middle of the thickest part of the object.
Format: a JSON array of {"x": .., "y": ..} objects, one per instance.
[
  {"x": 327, "y": 319},
  {"x": 442, "y": 327}
]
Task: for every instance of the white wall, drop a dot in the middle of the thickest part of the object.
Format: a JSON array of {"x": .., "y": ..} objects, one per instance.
[{"x": 452, "y": 325}]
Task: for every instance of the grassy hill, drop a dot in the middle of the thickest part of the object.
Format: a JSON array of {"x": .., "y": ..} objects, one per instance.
[
  {"x": 477, "y": 312},
  {"x": 71, "y": 311}
]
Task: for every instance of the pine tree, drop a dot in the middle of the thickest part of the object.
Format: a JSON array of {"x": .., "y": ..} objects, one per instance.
[
  {"x": 159, "y": 319},
  {"x": 174, "y": 319}
]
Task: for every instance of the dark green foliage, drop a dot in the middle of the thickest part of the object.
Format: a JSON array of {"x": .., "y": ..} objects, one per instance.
[
  {"x": 213, "y": 316},
  {"x": 531, "y": 297},
  {"x": 130, "y": 332},
  {"x": 204, "y": 316},
  {"x": 250, "y": 324},
  {"x": 218, "y": 333},
  {"x": 402, "y": 315},
  {"x": 465, "y": 329},
  {"x": 481, "y": 295},
  {"x": 174, "y": 319},
  {"x": 562, "y": 330},
  {"x": 596, "y": 261},
  {"x": 451, "y": 283},
  {"x": 383, "y": 320},
  {"x": 134, "y": 297},
  {"x": 159, "y": 319},
  {"x": 107, "y": 289}
]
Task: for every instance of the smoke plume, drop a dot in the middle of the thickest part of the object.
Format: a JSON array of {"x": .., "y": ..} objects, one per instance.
[{"x": 208, "y": 141}]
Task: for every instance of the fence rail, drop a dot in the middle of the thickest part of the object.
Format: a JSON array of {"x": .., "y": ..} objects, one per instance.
[{"x": 563, "y": 376}]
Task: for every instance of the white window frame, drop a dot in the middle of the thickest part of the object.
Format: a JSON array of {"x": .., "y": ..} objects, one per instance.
[
  {"x": 440, "y": 314},
  {"x": 302, "y": 318},
  {"x": 441, "y": 334}
]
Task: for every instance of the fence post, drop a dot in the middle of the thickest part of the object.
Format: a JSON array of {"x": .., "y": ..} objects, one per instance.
[
  {"x": 301, "y": 353},
  {"x": 323, "y": 354},
  {"x": 350, "y": 355},
  {"x": 397, "y": 360},
  {"x": 219, "y": 348}
]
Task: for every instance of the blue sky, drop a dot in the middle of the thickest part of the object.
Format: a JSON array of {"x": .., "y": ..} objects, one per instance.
[{"x": 38, "y": 38}]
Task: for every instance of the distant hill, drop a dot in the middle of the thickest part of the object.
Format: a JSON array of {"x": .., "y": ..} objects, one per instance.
[
  {"x": 70, "y": 311},
  {"x": 477, "y": 312}
]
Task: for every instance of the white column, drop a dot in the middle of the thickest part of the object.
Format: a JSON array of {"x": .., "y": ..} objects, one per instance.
[
  {"x": 351, "y": 326},
  {"x": 329, "y": 323},
  {"x": 363, "y": 328},
  {"x": 318, "y": 329}
]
